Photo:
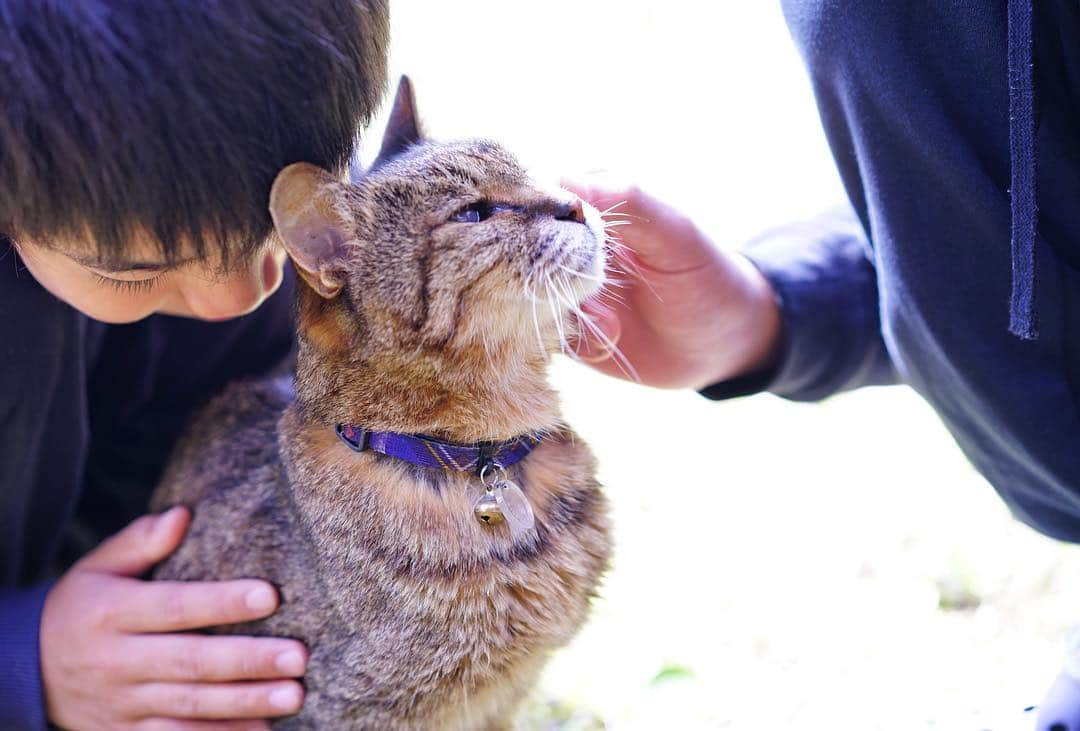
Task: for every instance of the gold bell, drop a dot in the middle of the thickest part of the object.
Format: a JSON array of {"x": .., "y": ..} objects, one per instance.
[{"x": 487, "y": 510}]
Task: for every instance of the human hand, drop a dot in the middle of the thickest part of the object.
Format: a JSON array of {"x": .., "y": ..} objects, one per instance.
[
  {"x": 686, "y": 314},
  {"x": 113, "y": 655}
]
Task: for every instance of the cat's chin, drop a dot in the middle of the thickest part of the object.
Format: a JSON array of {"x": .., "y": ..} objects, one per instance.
[
  {"x": 594, "y": 276},
  {"x": 587, "y": 272}
]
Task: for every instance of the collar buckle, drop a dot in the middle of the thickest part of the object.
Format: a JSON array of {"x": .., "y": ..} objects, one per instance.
[
  {"x": 484, "y": 457},
  {"x": 355, "y": 438}
]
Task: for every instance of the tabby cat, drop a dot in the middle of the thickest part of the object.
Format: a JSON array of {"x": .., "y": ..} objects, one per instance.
[{"x": 429, "y": 585}]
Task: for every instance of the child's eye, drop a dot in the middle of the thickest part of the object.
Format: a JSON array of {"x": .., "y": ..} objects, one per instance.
[{"x": 131, "y": 286}]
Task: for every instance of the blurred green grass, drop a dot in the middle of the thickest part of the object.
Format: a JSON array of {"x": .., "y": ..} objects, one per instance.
[{"x": 778, "y": 565}]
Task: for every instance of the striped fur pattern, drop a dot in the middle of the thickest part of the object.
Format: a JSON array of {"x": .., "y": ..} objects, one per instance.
[{"x": 417, "y": 616}]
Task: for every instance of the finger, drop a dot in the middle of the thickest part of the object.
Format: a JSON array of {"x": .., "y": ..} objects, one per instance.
[
  {"x": 174, "y": 724},
  {"x": 173, "y": 606},
  {"x": 630, "y": 218},
  {"x": 600, "y": 195},
  {"x": 217, "y": 700},
  {"x": 656, "y": 237},
  {"x": 198, "y": 658},
  {"x": 143, "y": 543},
  {"x": 599, "y": 336}
]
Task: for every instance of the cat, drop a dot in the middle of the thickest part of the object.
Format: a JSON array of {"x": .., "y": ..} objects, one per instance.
[{"x": 430, "y": 294}]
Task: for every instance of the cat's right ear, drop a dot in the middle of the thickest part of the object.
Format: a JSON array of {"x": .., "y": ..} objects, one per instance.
[
  {"x": 403, "y": 127},
  {"x": 303, "y": 207}
]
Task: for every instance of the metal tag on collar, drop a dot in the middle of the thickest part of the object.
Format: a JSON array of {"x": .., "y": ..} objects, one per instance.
[
  {"x": 355, "y": 438},
  {"x": 502, "y": 500}
]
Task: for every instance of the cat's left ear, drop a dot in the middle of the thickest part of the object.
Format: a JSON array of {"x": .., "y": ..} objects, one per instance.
[
  {"x": 403, "y": 128},
  {"x": 303, "y": 206}
]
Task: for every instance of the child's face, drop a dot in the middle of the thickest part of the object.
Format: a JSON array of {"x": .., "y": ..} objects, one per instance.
[{"x": 142, "y": 285}]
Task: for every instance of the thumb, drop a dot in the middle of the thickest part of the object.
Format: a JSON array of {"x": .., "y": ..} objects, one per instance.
[{"x": 143, "y": 543}]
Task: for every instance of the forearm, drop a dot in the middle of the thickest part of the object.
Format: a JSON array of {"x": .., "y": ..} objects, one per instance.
[
  {"x": 830, "y": 334},
  {"x": 754, "y": 340}
]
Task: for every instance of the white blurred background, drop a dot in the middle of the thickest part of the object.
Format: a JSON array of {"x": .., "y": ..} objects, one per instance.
[{"x": 779, "y": 565}]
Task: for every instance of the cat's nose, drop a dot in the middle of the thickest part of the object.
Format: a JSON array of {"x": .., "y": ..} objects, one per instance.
[{"x": 570, "y": 211}]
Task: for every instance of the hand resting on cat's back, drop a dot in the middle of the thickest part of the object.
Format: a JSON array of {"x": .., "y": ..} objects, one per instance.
[{"x": 433, "y": 526}]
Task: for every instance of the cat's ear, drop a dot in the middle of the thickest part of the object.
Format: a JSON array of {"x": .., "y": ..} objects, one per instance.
[
  {"x": 302, "y": 204},
  {"x": 403, "y": 128}
]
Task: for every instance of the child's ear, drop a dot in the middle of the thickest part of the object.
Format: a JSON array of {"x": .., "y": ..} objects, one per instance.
[
  {"x": 303, "y": 207},
  {"x": 403, "y": 127}
]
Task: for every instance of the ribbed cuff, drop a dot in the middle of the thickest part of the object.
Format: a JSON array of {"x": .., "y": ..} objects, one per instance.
[{"x": 22, "y": 702}]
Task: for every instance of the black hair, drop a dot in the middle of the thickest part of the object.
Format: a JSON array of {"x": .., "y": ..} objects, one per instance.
[{"x": 172, "y": 117}]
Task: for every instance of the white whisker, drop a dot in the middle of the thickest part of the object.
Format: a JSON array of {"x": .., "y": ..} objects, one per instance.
[
  {"x": 615, "y": 282},
  {"x": 583, "y": 275},
  {"x": 609, "y": 296},
  {"x": 563, "y": 345},
  {"x": 611, "y": 208},
  {"x": 617, "y": 355},
  {"x": 623, "y": 255},
  {"x": 536, "y": 323}
]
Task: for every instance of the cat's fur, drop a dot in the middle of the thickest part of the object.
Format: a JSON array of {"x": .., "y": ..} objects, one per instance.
[{"x": 417, "y": 616}]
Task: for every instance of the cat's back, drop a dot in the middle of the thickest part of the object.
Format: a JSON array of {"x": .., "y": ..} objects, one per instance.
[
  {"x": 234, "y": 436},
  {"x": 227, "y": 470}
]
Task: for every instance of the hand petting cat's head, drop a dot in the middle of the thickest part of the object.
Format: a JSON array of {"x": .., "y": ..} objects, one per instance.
[{"x": 443, "y": 262}]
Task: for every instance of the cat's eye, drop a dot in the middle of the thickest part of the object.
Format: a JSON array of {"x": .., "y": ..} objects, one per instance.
[{"x": 473, "y": 213}]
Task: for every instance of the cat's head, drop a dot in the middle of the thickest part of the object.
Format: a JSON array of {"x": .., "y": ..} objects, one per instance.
[{"x": 439, "y": 246}]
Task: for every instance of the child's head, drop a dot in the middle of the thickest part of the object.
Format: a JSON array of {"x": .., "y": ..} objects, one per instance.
[{"x": 139, "y": 140}]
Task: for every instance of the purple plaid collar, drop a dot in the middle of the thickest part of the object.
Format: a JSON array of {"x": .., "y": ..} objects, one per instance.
[{"x": 437, "y": 453}]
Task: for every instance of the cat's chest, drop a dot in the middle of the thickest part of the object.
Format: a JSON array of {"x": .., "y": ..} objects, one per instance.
[
  {"x": 467, "y": 638},
  {"x": 408, "y": 566},
  {"x": 426, "y": 602}
]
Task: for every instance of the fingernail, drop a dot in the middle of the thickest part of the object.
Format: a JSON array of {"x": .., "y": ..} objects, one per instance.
[
  {"x": 291, "y": 663},
  {"x": 261, "y": 599},
  {"x": 606, "y": 321},
  {"x": 285, "y": 698},
  {"x": 597, "y": 349},
  {"x": 162, "y": 521},
  {"x": 170, "y": 513}
]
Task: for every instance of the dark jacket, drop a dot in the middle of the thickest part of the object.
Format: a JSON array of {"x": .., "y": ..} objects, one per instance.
[
  {"x": 925, "y": 284},
  {"x": 88, "y": 414}
]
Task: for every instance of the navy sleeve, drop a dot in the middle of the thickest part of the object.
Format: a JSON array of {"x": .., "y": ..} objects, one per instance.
[
  {"x": 826, "y": 285},
  {"x": 22, "y": 706},
  {"x": 149, "y": 378}
]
